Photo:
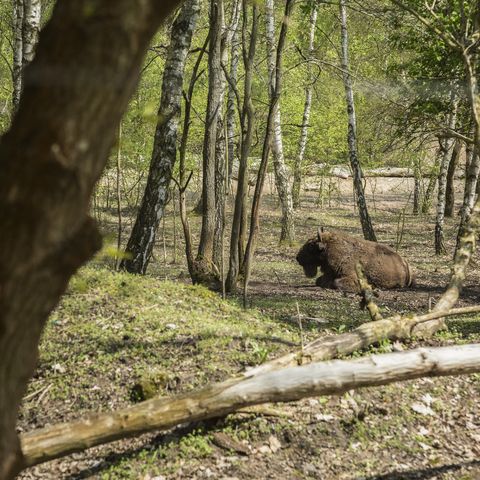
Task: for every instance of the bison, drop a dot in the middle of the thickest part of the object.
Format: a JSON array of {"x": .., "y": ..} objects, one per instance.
[{"x": 337, "y": 255}]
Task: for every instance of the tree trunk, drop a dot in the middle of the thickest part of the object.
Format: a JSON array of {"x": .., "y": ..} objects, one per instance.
[
  {"x": 442, "y": 179},
  {"x": 247, "y": 127},
  {"x": 231, "y": 103},
  {"x": 274, "y": 98},
  {"x": 302, "y": 143},
  {"x": 31, "y": 28},
  {"x": 450, "y": 188},
  {"x": 118, "y": 165},
  {"x": 221, "y": 148},
  {"x": 142, "y": 238},
  {"x": 205, "y": 268},
  {"x": 281, "y": 174},
  {"x": 221, "y": 165},
  {"x": 432, "y": 182},
  {"x": 50, "y": 160},
  {"x": 367, "y": 227},
  {"x": 294, "y": 383},
  {"x": 471, "y": 187},
  {"x": 417, "y": 188},
  {"x": 26, "y": 15},
  {"x": 188, "y": 96},
  {"x": 18, "y": 14}
]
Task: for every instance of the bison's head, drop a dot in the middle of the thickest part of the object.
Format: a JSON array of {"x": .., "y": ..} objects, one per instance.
[{"x": 311, "y": 255}]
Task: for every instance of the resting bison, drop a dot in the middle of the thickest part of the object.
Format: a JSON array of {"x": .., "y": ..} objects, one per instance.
[{"x": 337, "y": 255}]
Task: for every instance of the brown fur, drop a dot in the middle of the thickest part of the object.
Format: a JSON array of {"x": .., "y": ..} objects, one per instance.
[{"x": 337, "y": 255}]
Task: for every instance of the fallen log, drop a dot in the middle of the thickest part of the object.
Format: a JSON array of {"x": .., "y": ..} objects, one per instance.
[
  {"x": 289, "y": 384},
  {"x": 332, "y": 346}
]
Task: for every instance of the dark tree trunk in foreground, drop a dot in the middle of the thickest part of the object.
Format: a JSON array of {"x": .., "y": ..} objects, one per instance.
[
  {"x": 142, "y": 239},
  {"x": 367, "y": 227},
  {"x": 50, "y": 160},
  {"x": 450, "y": 189}
]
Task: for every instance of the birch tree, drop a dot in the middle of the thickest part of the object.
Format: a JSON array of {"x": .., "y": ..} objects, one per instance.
[
  {"x": 302, "y": 143},
  {"x": 367, "y": 227},
  {"x": 17, "y": 51},
  {"x": 231, "y": 101},
  {"x": 152, "y": 208},
  {"x": 442, "y": 178},
  {"x": 26, "y": 14},
  {"x": 281, "y": 173},
  {"x": 460, "y": 37}
]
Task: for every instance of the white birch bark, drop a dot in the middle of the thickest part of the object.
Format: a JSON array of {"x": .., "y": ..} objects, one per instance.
[
  {"x": 365, "y": 220},
  {"x": 302, "y": 143},
  {"x": 26, "y": 27},
  {"x": 442, "y": 179},
  {"x": 152, "y": 208},
  {"x": 18, "y": 13},
  {"x": 281, "y": 173},
  {"x": 31, "y": 29},
  {"x": 231, "y": 101}
]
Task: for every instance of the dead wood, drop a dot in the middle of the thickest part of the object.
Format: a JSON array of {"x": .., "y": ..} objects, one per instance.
[
  {"x": 367, "y": 294},
  {"x": 289, "y": 384}
]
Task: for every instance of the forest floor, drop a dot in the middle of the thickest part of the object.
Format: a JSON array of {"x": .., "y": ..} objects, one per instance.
[{"x": 114, "y": 331}]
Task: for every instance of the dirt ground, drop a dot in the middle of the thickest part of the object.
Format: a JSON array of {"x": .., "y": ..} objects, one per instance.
[{"x": 423, "y": 429}]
